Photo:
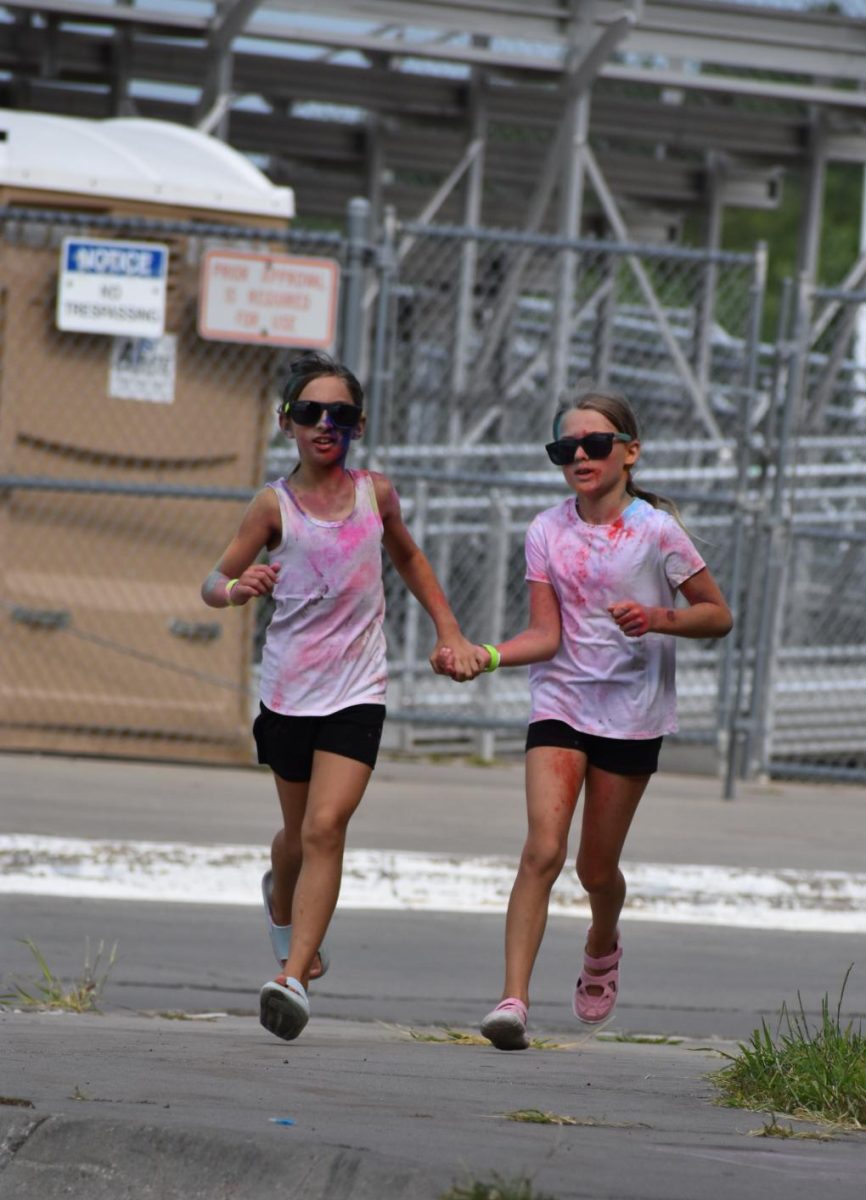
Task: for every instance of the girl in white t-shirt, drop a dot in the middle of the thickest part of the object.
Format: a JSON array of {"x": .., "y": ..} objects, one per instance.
[
  {"x": 604, "y": 568},
  {"x": 324, "y": 673}
]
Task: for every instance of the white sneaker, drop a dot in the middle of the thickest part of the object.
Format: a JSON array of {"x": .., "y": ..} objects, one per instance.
[{"x": 284, "y": 1008}]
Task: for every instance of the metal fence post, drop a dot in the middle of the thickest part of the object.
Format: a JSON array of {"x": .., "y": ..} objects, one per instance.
[
  {"x": 770, "y": 621},
  {"x": 357, "y": 246},
  {"x": 497, "y": 581},
  {"x": 731, "y": 684},
  {"x": 381, "y": 374},
  {"x": 418, "y": 526}
]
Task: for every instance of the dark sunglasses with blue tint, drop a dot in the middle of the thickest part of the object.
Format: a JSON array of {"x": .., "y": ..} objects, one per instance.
[
  {"x": 594, "y": 445},
  {"x": 309, "y": 412}
]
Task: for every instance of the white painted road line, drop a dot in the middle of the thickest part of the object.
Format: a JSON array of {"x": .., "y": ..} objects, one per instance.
[{"x": 788, "y": 899}]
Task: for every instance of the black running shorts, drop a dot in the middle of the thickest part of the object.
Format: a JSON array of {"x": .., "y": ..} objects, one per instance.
[
  {"x": 619, "y": 756},
  {"x": 287, "y": 744}
]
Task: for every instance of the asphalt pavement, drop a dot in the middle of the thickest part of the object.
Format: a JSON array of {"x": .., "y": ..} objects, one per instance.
[{"x": 177, "y": 1091}]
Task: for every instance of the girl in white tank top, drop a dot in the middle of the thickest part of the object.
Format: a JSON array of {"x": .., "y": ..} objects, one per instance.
[{"x": 324, "y": 673}]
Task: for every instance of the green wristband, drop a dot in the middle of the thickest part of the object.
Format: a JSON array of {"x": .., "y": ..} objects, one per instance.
[
  {"x": 231, "y": 583},
  {"x": 495, "y": 656}
]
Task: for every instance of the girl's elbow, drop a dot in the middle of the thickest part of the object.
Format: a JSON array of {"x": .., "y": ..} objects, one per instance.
[
  {"x": 550, "y": 648},
  {"x": 726, "y": 623}
]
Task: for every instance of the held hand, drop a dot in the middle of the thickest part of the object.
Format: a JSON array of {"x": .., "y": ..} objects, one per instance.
[
  {"x": 469, "y": 660},
  {"x": 632, "y": 618},
  {"x": 459, "y": 659},
  {"x": 257, "y": 580},
  {"x": 442, "y": 660}
]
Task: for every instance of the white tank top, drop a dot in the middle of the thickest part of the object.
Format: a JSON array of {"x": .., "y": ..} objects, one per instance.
[{"x": 325, "y": 647}]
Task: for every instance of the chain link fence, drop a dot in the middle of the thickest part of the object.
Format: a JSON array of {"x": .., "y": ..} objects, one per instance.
[
  {"x": 804, "y": 659},
  {"x": 125, "y": 464},
  {"x": 478, "y": 337},
  {"x": 115, "y": 501}
]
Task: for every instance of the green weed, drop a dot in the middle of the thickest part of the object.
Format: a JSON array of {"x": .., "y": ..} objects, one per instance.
[
  {"x": 495, "y": 1188},
  {"x": 50, "y": 992},
  {"x": 535, "y": 1116},
  {"x": 816, "y": 1074}
]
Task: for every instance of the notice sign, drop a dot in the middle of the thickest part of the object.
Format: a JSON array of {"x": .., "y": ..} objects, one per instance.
[
  {"x": 143, "y": 369},
  {"x": 112, "y": 287},
  {"x": 268, "y": 299}
]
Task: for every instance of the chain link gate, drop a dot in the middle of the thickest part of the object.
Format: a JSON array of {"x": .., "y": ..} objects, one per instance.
[
  {"x": 474, "y": 343},
  {"x": 113, "y": 508},
  {"x": 803, "y": 709}
]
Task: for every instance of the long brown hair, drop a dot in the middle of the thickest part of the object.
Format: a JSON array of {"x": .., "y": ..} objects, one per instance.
[{"x": 617, "y": 410}]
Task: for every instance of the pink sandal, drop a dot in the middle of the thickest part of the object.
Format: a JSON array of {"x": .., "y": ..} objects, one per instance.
[{"x": 591, "y": 1008}]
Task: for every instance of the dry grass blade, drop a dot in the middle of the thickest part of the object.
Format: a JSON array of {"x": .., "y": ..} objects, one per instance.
[
  {"x": 460, "y": 1037},
  {"x": 774, "y": 1129},
  {"x": 49, "y": 992},
  {"x": 535, "y": 1116}
]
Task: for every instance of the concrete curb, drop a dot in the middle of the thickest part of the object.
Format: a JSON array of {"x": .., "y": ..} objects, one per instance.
[{"x": 67, "y": 1158}]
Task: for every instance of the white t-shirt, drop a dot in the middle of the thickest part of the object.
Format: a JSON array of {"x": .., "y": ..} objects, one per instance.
[
  {"x": 325, "y": 646},
  {"x": 601, "y": 681}
]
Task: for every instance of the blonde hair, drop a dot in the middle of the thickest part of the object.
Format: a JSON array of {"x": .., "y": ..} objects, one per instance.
[{"x": 616, "y": 409}]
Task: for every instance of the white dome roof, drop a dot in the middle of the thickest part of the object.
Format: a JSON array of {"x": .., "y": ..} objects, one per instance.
[{"x": 134, "y": 158}]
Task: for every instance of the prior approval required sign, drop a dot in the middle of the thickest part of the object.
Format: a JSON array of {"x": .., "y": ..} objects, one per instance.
[
  {"x": 268, "y": 299},
  {"x": 112, "y": 287}
]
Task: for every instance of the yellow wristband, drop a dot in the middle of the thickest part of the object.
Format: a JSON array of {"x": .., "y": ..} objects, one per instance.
[
  {"x": 495, "y": 656},
  {"x": 231, "y": 583}
]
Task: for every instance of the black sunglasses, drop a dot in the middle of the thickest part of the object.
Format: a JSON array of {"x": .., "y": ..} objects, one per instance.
[
  {"x": 595, "y": 445},
  {"x": 309, "y": 412}
]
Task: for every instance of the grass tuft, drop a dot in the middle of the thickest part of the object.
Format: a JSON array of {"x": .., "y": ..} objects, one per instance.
[
  {"x": 817, "y": 1074},
  {"x": 535, "y": 1116},
  {"x": 495, "y": 1188},
  {"x": 50, "y": 992}
]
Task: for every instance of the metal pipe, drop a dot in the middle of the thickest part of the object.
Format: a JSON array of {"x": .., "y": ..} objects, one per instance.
[
  {"x": 731, "y": 686},
  {"x": 357, "y": 249}
]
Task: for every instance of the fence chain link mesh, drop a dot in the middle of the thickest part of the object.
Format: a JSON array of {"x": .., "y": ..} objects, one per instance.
[{"x": 116, "y": 502}]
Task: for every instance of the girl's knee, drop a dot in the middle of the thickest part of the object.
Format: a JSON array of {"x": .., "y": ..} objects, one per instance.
[
  {"x": 544, "y": 859},
  {"x": 598, "y": 877},
  {"x": 323, "y": 835}
]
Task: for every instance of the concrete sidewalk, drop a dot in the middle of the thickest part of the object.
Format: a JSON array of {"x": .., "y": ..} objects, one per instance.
[
  {"x": 131, "y": 1107},
  {"x": 137, "y": 1104}
]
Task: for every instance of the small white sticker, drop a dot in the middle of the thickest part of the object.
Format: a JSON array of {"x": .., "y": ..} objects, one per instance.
[{"x": 143, "y": 369}]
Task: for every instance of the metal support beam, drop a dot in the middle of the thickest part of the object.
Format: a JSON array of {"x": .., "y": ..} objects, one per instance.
[
  {"x": 813, "y": 202},
  {"x": 706, "y": 304},
  {"x": 581, "y": 77},
  {"x": 575, "y": 135},
  {"x": 211, "y": 112},
  {"x": 668, "y": 336},
  {"x": 432, "y": 206}
]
